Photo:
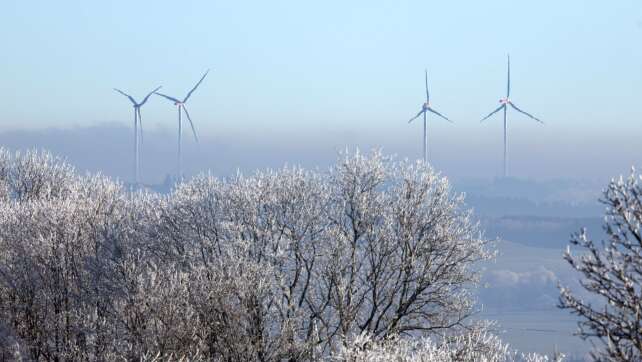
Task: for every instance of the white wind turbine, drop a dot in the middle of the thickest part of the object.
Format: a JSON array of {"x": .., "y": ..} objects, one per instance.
[
  {"x": 138, "y": 129},
  {"x": 180, "y": 105},
  {"x": 503, "y": 103},
  {"x": 426, "y": 107}
]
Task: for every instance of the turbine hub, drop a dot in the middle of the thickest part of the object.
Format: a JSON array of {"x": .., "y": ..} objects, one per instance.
[
  {"x": 426, "y": 105},
  {"x": 504, "y": 101}
]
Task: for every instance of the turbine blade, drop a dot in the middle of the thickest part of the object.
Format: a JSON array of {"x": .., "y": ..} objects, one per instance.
[
  {"x": 427, "y": 93},
  {"x": 493, "y": 112},
  {"x": 190, "y": 123},
  {"x": 417, "y": 116},
  {"x": 526, "y": 113},
  {"x": 196, "y": 86},
  {"x": 148, "y": 95},
  {"x": 508, "y": 82},
  {"x": 126, "y": 95},
  {"x": 168, "y": 97},
  {"x": 440, "y": 115}
]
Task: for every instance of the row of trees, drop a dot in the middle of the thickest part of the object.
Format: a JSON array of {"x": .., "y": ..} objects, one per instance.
[{"x": 282, "y": 265}]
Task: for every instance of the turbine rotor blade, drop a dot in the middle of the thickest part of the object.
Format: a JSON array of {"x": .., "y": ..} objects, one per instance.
[
  {"x": 148, "y": 95},
  {"x": 508, "y": 82},
  {"x": 493, "y": 112},
  {"x": 168, "y": 97},
  {"x": 417, "y": 116},
  {"x": 440, "y": 115},
  {"x": 196, "y": 86},
  {"x": 427, "y": 93},
  {"x": 190, "y": 123},
  {"x": 526, "y": 113},
  {"x": 126, "y": 95}
]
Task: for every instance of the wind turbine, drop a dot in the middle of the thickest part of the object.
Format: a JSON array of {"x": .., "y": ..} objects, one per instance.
[
  {"x": 180, "y": 105},
  {"x": 138, "y": 124},
  {"x": 424, "y": 109},
  {"x": 503, "y": 105}
]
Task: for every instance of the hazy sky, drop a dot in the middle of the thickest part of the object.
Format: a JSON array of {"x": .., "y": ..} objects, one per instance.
[{"x": 297, "y": 74}]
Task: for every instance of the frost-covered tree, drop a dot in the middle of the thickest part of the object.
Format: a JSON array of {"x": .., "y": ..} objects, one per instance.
[
  {"x": 372, "y": 246},
  {"x": 33, "y": 175},
  {"x": 399, "y": 251},
  {"x": 279, "y": 265},
  {"x": 612, "y": 275},
  {"x": 64, "y": 240},
  {"x": 474, "y": 345},
  {"x": 56, "y": 271}
]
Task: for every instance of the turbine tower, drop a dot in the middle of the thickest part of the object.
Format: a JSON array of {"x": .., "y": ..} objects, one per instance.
[
  {"x": 138, "y": 129},
  {"x": 504, "y": 102},
  {"x": 180, "y": 105},
  {"x": 424, "y": 109}
]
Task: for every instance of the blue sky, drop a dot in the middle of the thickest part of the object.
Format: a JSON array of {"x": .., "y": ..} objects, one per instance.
[{"x": 338, "y": 73}]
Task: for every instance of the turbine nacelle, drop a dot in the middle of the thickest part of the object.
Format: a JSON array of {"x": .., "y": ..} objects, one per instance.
[
  {"x": 504, "y": 101},
  {"x": 426, "y": 105}
]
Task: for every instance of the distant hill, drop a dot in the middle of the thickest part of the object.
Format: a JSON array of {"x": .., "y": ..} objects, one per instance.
[{"x": 535, "y": 213}]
